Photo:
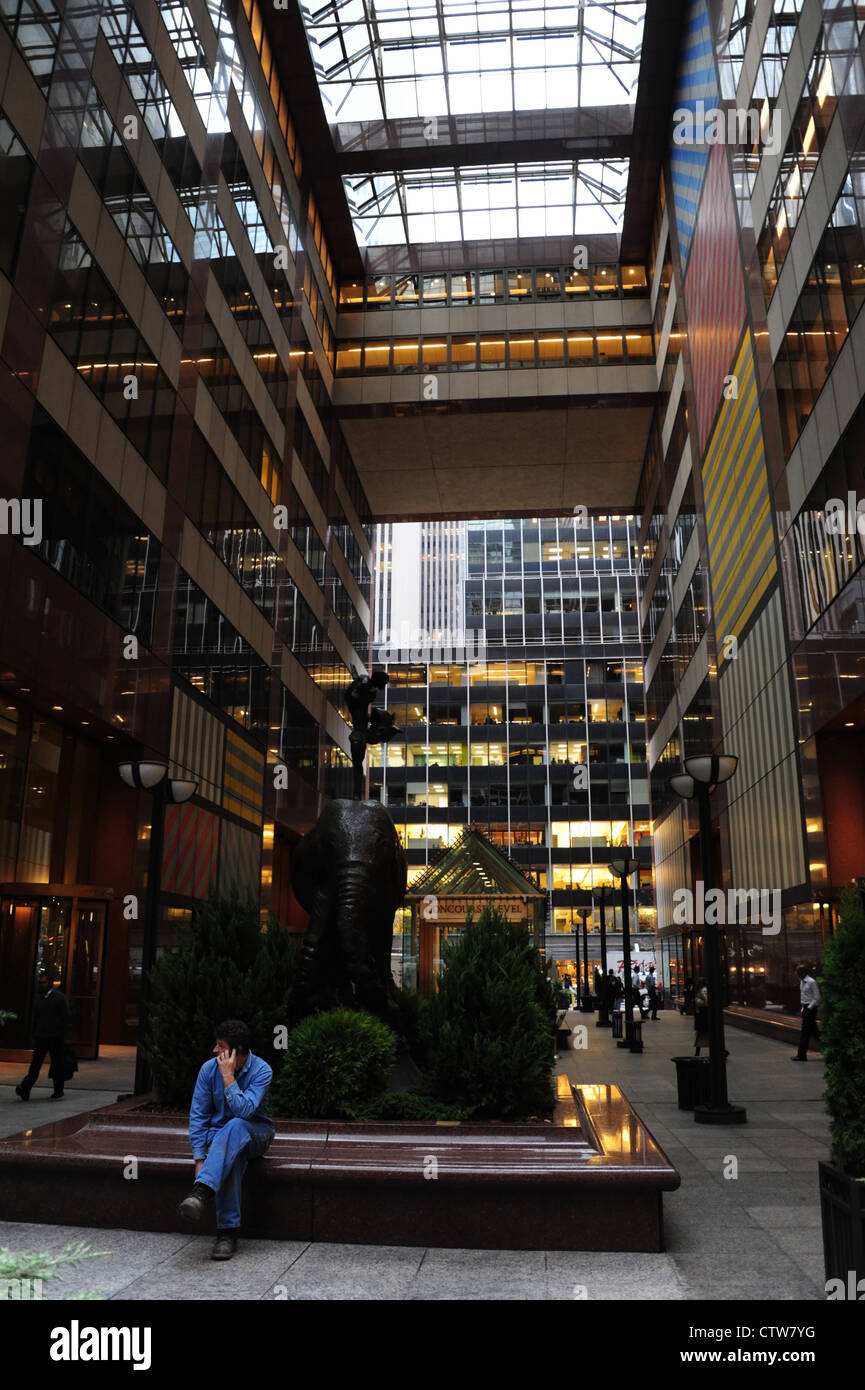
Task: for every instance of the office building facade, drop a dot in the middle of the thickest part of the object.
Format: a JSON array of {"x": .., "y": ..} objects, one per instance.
[
  {"x": 750, "y": 593},
  {"x": 187, "y": 566},
  {"x": 536, "y": 737}
]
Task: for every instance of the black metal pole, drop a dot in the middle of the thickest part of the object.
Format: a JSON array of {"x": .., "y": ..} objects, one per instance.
[
  {"x": 604, "y": 1002},
  {"x": 143, "y": 1072},
  {"x": 628, "y": 1039},
  {"x": 577, "y": 966},
  {"x": 719, "y": 1109},
  {"x": 588, "y": 1006}
]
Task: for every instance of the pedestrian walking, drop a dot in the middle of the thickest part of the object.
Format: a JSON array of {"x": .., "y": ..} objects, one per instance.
[
  {"x": 50, "y": 1026},
  {"x": 701, "y": 1016},
  {"x": 652, "y": 988},
  {"x": 809, "y": 1001}
]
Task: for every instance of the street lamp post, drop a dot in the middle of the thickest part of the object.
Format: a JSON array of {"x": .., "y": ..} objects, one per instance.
[
  {"x": 151, "y": 776},
  {"x": 587, "y": 1006},
  {"x": 700, "y": 778},
  {"x": 621, "y": 868},
  {"x": 577, "y": 965},
  {"x": 600, "y": 897}
]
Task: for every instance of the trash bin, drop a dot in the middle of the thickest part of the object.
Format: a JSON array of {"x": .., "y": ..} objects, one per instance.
[
  {"x": 618, "y": 1017},
  {"x": 692, "y": 1081},
  {"x": 637, "y": 1035}
]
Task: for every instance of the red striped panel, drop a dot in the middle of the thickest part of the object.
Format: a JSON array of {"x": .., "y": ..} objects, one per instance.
[
  {"x": 714, "y": 291},
  {"x": 189, "y": 851}
]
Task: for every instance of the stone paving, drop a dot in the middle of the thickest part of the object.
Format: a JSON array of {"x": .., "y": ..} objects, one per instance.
[
  {"x": 96, "y": 1083},
  {"x": 755, "y": 1236}
]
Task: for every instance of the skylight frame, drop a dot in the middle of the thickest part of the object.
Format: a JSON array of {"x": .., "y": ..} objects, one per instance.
[{"x": 525, "y": 51}]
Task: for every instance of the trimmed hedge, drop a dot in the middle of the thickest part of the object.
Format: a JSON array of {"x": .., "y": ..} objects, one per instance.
[
  {"x": 843, "y": 1035},
  {"x": 336, "y": 1064}
]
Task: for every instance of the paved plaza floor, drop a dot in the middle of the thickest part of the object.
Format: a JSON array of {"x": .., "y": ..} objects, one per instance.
[{"x": 753, "y": 1236}]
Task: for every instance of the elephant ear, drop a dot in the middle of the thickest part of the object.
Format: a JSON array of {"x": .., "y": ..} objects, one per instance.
[
  {"x": 397, "y": 868},
  {"x": 403, "y": 879},
  {"x": 305, "y": 869}
]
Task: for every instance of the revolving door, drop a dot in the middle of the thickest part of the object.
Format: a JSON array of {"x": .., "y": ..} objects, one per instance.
[{"x": 58, "y": 929}]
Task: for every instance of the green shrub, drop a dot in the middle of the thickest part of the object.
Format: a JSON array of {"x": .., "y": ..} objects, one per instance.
[
  {"x": 407, "y": 1019},
  {"x": 413, "y": 1105},
  {"x": 272, "y": 998},
  {"x": 224, "y": 966},
  {"x": 491, "y": 1027},
  {"x": 32, "y": 1264},
  {"x": 335, "y": 1064},
  {"x": 843, "y": 1035}
]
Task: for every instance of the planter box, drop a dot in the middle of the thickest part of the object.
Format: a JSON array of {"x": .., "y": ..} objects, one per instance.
[
  {"x": 842, "y": 1208},
  {"x": 592, "y": 1179}
]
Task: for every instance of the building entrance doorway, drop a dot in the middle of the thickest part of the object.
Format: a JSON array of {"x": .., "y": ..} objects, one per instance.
[{"x": 59, "y": 929}]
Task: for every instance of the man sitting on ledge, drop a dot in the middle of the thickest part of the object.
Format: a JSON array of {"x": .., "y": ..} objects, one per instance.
[{"x": 228, "y": 1125}]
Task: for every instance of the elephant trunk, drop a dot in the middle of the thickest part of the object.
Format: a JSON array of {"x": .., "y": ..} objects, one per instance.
[{"x": 355, "y": 891}]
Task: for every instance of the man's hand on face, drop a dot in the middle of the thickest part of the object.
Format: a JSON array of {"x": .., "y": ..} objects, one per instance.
[{"x": 225, "y": 1062}]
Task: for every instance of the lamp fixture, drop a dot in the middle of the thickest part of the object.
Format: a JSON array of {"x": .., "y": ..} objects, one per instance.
[{"x": 143, "y": 775}]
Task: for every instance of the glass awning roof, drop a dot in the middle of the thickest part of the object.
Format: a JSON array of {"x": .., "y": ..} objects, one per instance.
[
  {"x": 565, "y": 198},
  {"x": 386, "y": 64},
  {"x": 391, "y": 59}
]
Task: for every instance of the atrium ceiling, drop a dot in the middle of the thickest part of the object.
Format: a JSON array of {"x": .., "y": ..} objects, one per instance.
[{"x": 469, "y": 134}]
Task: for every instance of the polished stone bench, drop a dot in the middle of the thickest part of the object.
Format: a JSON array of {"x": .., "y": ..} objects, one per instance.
[
  {"x": 592, "y": 1179},
  {"x": 784, "y": 1028}
]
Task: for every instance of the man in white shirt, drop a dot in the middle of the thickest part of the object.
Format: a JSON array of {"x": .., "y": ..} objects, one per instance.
[{"x": 809, "y": 999}]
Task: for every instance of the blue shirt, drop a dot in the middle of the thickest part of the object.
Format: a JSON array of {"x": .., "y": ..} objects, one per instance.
[{"x": 214, "y": 1103}]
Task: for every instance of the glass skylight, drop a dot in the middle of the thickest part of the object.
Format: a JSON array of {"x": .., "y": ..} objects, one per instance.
[
  {"x": 393, "y": 59},
  {"x": 488, "y": 202}
]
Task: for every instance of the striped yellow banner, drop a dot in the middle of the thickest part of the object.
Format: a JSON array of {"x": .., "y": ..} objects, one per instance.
[
  {"x": 243, "y": 781},
  {"x": 742, "y": 560}
]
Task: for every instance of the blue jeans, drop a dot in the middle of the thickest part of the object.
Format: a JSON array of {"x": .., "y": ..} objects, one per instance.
[{"x": 229, "y": 1148}]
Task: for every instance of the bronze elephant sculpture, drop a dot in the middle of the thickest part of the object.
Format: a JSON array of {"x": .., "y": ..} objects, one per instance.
[{"x": 349, "y": 874}]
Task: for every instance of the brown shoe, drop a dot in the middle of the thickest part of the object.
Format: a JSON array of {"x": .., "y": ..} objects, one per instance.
[{"x": 224, "y": 1246}]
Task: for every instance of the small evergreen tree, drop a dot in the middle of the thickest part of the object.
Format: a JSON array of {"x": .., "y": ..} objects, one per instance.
[
  {"x": 224, "y": 966},
  {"x": 272, "y": 1003},
  {"x": 843, "y": 1035},
  {"x": 491, "y": 1026}
]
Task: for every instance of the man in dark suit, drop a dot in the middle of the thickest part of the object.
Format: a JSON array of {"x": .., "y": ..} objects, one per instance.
[{"x": 50, "y": 1026}]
